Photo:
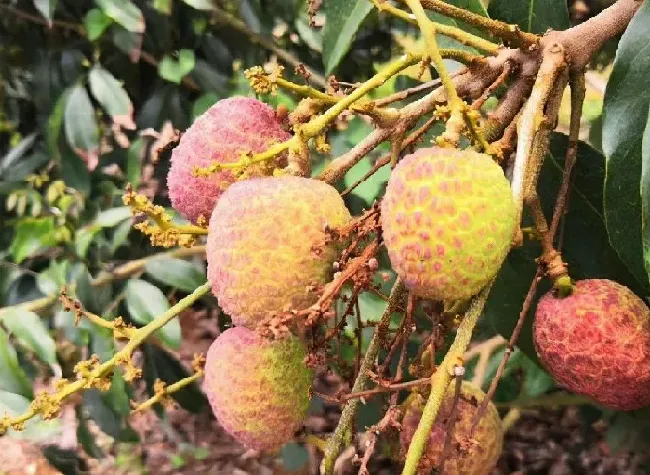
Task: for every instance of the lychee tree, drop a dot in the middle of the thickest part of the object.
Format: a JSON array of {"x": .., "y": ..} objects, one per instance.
[{"x": 456, "y": 206}]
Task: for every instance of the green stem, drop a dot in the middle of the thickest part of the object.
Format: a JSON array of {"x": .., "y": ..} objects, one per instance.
[
  {"x": 340, "y": 437},
  {"x": 440, "y": 380}
]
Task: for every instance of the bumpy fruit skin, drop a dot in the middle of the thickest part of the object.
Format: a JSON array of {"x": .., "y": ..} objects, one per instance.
[
  {"x": 226, "y": 130},
  {"x": 478, "y": 456},
  {"x": 258, "y": 389},
  {"x": 448, "y": 220},
  {"x": 261, "y": 245},
  {"x": 596, "y": 342}
]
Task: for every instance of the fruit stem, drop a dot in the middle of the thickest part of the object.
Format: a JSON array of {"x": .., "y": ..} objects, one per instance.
[
  {"x": 49, "y": 404},
  {"x": 510, "y": 33},
  {"x": 341, "y": 434},
  {"x": 456, "y": 33},
  {"x": 440, "y": 379}
]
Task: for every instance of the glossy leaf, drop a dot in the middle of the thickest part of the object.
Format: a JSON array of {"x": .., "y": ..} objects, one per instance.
[
  {"x": 146, "y": 302},
  {"x": 124, "y": 12},
  {"x": 343, "y": 19},
  {"x": 535, "y": 16},
  {"x": 645, "y": 194},
  {"x": 109, "y": 92},
  {"x": 46, "y": 8},
  {"x": 81, "y": 129},
  {"x": 200, "y": 4},
  {"x": 174, "y": 70},
  {"x": 31, "y": 235},
  {"x": 184, "y": 275},
  {"x": 163, "y": 6},
  {"x": 586, "y": 248},
  {"x": 31, "y": 333},
  {"x": 113, "y": 216},
  {"x": 54, "y": 123},
  {"x": 12, "y": 376},
  {"x": 96, "y": 23},
  {"x": 625, "y": 114}
]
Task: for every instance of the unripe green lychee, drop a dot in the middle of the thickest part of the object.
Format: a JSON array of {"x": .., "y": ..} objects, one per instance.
[
  {"x": 475, "y": 456},
  {"x": 267, "y": 245},
  {"x": 258, "y": 389},
  {"x": 223, "y": 133},
  {"x": 448, "y": 219},
  {"x": 596, "y": 342}
]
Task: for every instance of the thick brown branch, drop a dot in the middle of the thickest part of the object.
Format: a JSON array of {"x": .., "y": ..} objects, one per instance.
[{"x": 585, "y": 39}]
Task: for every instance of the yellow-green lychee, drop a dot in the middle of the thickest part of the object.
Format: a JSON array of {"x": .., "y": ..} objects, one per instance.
[
  {"x": 268, "y": 247},
  {"x": 448, "y": 220},
  {"x": 477, "y": 455},
  {"x": 230, "y": 128},
  {"x": 258, "y": 389}
]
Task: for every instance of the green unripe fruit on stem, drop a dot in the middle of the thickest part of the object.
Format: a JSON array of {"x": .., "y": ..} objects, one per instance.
[
  {"x": 448, "y": 220},
  {"x": 267, "y": 246},
  {"x": 596, "y": 342},
  {"x": 258, "y": 389},
  {"x": 475, "y": 456}
]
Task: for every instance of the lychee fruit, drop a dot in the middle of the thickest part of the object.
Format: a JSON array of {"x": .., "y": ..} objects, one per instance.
[
  {"x": 477, "y": 455},
  {"x": 258, "y": 389},
  {"x": 228, "y": 129},
  {"x": 267, "y": 246},
  {"x": 448, "y": 219},
  {"x": 596, "y": 343}
]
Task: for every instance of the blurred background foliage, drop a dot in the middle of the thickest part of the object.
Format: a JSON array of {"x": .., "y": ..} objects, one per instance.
[{"x": 90, "y": 89}]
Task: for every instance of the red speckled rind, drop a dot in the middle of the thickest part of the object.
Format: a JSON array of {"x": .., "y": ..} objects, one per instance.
[
  {"x": 226, "y": 130},
  {"x": 258, "y": 389},
  {"x": 262, "y": 243},
  {"x": 596, "y": 342},
  {"x": 477, "y": 457},
  {"x": 448, "y": 219}
]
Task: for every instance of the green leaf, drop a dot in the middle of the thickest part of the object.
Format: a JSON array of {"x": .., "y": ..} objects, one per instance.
[
  {"x": 113, "y": 216},
  {"x": 586, "y": 248},
  {"x": 645, "y": 194},
  {"x": 535, "y": 16},
  {"x": 75, "y": 171},
  {"x": 54, "y": 123},
  {"x": 134, "y": 162},
  {"x": 174, "y": 70},
  {"x": 163, "y": 6},
  {"x": 31, "y": 235},
  {"x": 81, "y": 129},
  {"x": 625, "y": 114},
  {"x": 30, "y": 331},
  {"x": 200, "y": 4},
  {"x": 12, "y": 377},
  {"x": 98, "y": 408},
  {"x": 178, "y": 273},
  {"x": 96, "y": 23},
  {"x": 109, "y": 92},
  {"x": 53, "y": 278},
  {"x": 343, "y": 19},
  {"x": 86, "y": 437},
  {"x": 160, "y": 364},
  {"x": 146, "y": 302},
  {"x": 123, "y": 12},
  {"x": 46, "y": 8}
]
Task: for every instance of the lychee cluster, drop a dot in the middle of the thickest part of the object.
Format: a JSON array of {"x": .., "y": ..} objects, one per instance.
[
  {"x": 268, "y": 252},
  {"x": 475, "y": 455},
  {"x": 596, "y": 342},
  {"x": 448, "y": 220},
  {"x": 228, "y": 129}
]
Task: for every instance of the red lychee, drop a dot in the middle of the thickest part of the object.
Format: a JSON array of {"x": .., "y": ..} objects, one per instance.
[
  {"x": 223, "y": 133},
  {"x": 596, "y": 342}
]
